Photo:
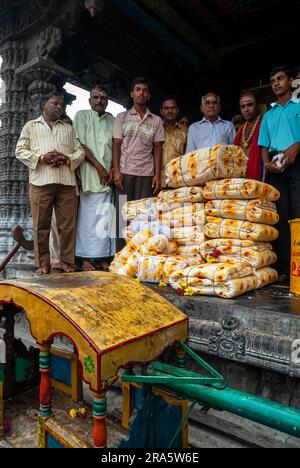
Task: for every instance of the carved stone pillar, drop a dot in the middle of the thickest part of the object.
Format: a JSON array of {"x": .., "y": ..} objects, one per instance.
[
  {"x": 43, "y": 76},
  {"x": 14, "y": 204}
]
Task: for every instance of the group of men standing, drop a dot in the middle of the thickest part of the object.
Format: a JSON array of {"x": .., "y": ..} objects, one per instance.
[{"x": 130, "y": 154}]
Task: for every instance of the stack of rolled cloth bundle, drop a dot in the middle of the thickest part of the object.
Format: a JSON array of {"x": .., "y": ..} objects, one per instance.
[
  {"x": 227, "y": 280},
  {"x": 240, "y": 189},
  {"x": 159, "y": 268},
  {"x": 234, "y": 229},
  {"x": 258, "y": 254},
  {"x": 198, "y": 167},
  {"x": 255, "y": 211},
  {"x": 182, "y": 195},
  {"x": 240, "y": 219},
  {"x": 228, "y": 223},
  {"x": 140, "y": 209},
  {"x": 180, "y": 214},
  {"x": 143, "y": 243},
  {"x": 158, "y": 229}
]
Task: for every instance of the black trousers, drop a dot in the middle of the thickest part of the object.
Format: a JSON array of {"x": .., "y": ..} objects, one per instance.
[
  {"x": 288, "y": 184},
  {"x": 134, "y": 188}
]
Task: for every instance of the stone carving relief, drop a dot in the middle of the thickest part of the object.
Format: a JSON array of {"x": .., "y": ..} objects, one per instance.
[
  {"x": 231, "y": 340},
  {"x": 14, "y": 204},
  {"x": 227, "y": 339},
  {"x": 30, "y": 13},
  {"x": 48, "y": 43}
]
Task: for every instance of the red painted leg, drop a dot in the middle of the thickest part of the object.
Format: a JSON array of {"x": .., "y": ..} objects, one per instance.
[
  {"x": 100, "y": 430},
  {"x": 45, "y": 385}
]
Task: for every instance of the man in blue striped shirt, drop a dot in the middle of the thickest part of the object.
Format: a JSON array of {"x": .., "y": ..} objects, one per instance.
[{"x": 211, "y": 130}]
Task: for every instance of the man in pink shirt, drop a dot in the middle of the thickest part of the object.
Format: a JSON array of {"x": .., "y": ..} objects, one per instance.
[{"x": 137, "y": 150}]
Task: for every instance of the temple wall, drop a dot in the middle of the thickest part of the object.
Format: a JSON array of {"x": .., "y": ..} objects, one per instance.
[{"x": 14, "y": 203}]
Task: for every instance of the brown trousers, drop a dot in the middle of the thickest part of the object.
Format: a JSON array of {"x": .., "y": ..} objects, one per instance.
[{"x": 63, "y": 199}]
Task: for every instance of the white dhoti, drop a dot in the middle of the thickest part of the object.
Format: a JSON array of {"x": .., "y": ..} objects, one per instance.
[{"x": 96, "y": 226}]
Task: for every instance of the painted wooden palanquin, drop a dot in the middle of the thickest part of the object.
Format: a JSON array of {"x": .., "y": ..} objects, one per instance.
[{"x": 113, "y": 323}]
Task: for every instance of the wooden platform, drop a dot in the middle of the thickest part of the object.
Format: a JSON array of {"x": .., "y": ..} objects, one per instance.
[{"x": 22, "y": 414}]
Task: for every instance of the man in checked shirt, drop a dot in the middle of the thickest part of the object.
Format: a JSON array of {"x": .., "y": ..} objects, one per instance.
[{"x": 49, "y": 148}]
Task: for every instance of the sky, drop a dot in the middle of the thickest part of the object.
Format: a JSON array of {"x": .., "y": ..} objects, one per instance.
[{"x": 82, "y": 102}]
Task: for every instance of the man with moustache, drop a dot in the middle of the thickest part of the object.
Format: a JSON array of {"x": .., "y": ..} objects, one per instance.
[
  {"x": 248, "y": 134},
  {"x": 175, "y": 137},
  {"x": 94, "y": 129},
  {"x": 212, "y": 129},
  {"x": 49, "y": 148},
  {"x": 280, "y": 133}
]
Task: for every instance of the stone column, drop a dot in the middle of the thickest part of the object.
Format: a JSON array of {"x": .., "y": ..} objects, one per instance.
[{"x": 14, "y": 203}]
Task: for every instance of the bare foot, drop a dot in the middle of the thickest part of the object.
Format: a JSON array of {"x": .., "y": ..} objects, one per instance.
[
  {"x": 102, "y": 266},
  {"x": 87, "y": 266},
  {"x": 105, "y": 266},
  {"x": 66, "y": 268},
  {"x": 56, "y": 266},
  {"x": 43, "y": 271}
]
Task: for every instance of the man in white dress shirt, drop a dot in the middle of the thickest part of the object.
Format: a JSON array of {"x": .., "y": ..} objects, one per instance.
[{"x": 212, "y": 129}]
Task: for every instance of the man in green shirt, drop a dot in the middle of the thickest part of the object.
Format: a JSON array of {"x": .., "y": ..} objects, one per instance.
[{"x": 95, "y": 241}]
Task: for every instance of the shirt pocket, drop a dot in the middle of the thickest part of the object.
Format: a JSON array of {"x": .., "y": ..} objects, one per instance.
[
  {"x": 179, "y": 145},
  {"x": 294, "y": 116},
  {"x": 222, "y": 138},
  {"x": 147, "y": 136}
]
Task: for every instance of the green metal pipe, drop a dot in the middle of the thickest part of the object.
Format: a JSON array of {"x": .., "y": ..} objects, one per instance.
[{"x": 266, "y": 412}]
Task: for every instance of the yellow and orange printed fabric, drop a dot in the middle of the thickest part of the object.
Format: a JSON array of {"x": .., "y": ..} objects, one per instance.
[
  {"x": 200, "y": 166},
  {"x": 182, "y": 195},
  {"x": 255, "y": 211},
  {"x": 240, "y": 189},
  {"x": 122, "y": 258},
  {"x": 189, "y": 250},
  {"x": 158, "y": 244},
  {"x": 159, "y": 268},
  {"x": 188, "y": 235},
  {"x": 125, "y": 262},
  {"x": 221, "y": 279},
  {"x": 142, "y": 209},
  {"x": 258, "y": 254},
  {"x": 188, "y": 215},
  {"x": 265, "y": 276},
  {"x": 234, "y": 229}
]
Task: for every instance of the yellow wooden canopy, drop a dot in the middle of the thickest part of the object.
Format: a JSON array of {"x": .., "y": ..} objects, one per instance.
[{"x": 112, "y": 321}]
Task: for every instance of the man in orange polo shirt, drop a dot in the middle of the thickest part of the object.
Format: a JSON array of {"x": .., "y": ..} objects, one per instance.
[{"x": 175, "y": 137}]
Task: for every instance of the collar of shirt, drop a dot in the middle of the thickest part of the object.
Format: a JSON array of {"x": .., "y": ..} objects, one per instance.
[
  {"x": 100, "y": 117},
  {"x": 205, "y": 120},
  {"x": 293, "y": 100},
  {"x": 135, "y": 112},
  {"x": 43, "y": 121},
  {"x": 167, "y": 127}
]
